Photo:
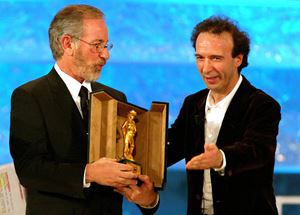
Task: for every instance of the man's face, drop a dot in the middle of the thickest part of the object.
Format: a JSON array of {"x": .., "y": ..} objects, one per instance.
[
  {"x": 87, "y": 60},
  {"x": 217, "y": 67}
]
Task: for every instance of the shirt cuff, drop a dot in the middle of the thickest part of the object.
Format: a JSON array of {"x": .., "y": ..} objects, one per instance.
[
  {"x": 85, "y": 185},
  {"x": 152, "y": 206},
  {"x": 221, "y": 170}
]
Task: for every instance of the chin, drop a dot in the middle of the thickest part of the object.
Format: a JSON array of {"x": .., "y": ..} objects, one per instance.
[{"x": 92, "y": 77}]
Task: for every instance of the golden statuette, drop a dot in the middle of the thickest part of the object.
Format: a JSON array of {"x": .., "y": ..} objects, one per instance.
[{"x": 129, "y": 131}]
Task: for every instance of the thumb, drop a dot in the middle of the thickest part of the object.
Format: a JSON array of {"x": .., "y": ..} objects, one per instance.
[{"x": 145, "y": 179}]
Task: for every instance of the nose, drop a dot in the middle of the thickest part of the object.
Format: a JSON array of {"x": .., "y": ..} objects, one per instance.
[
  {"x": 104, "y": 54},
  {"x": 206, "y": 66}
]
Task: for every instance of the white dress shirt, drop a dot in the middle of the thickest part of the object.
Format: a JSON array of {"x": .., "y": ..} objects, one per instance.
[{"x": 214, "y": 115}]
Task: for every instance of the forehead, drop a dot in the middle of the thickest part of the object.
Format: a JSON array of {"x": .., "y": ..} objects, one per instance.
[
  {"x": 95, "y": 28},
  {"x": 218, "y": 42}
]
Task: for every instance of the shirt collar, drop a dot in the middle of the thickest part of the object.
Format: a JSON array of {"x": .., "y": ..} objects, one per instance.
[
  {"x": 224, "y": 103},
  {"x": 72, "y": 84}
]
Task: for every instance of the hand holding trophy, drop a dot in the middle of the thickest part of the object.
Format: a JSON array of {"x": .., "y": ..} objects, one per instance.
[
  {"x": 133, "y": 135},
  {"x": 129, "y": 131}
]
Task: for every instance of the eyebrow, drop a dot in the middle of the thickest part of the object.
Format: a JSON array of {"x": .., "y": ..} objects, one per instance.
[
  {"x": 215, "y": 55},
  {"x": 99, "y": 41},
  {"x": 211, "y": 56}
]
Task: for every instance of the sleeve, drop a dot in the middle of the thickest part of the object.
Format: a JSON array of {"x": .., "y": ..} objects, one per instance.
[
  {"x": 35, "y": 162},
  {"x": 257, "y": 145},
  {"x": 176, "y": 136},
  {"x": 150, "y": 211}
]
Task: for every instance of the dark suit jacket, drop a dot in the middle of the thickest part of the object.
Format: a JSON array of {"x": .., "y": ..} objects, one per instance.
[
  {"x": 248, "y": 139},
  {"x": 49, "y": 148}
]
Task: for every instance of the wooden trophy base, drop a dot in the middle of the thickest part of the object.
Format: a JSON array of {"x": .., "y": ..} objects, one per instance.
[{"x": 137, "y": 168}]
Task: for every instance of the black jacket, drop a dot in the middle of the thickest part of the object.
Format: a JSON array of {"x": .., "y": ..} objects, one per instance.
[
  {"x": 248, "y": 139},
  {"x": 49, "y": 148}
]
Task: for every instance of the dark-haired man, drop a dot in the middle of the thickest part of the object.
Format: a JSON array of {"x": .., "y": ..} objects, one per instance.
[{"x": 227, "y": 132}]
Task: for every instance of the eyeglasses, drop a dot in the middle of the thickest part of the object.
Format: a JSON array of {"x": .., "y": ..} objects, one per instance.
[{"x": 97, "y": 47}]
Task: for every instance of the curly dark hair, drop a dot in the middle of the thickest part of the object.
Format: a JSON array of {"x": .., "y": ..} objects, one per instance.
[{"x": 218, "y": 25}]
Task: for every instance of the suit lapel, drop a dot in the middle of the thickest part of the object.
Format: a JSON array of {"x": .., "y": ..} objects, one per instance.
[
  {"x": 66, "y": 108},
  {"x": 237, "y": 107},
  {"x": 199, "y": 120},
  {"x": 95, "y": 86}
]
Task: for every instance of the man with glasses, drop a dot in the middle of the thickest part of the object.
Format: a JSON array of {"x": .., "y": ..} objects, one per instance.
[{"x": 48, "y": 135}]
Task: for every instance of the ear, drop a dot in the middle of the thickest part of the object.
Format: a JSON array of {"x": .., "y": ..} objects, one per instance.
[
  {"x": 238, "y": 60},
  {"x": 67, "y": 45}
]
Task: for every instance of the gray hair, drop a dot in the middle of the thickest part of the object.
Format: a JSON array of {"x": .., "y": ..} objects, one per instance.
[{"x": 69, "y": 21}]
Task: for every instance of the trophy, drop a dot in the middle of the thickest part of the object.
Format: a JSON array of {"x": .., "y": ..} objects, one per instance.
[
  {"x": 133, "y": 135},
  {"x": 129, "y": 131}
]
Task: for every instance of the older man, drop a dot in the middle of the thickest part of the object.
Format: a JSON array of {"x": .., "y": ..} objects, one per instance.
[{"x": 48, "y": 134}]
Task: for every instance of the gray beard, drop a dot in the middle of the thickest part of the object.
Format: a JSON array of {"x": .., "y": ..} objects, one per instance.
[{"x": 89, "y": 73}]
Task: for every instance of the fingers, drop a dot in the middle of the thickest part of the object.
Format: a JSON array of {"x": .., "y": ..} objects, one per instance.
[
  {"x": 142, "y": 195},
  {"x": 127, "y": 176},
  {"x": 119, "y": 184},
  {"x": 125, "y": 167},
  {"x": 108, "y": 159},
  {"x": 124, "y": 177},
  {"x": 113, "y": 163},
  {"x": 146, "y": 182},
  {"x": 128, "y": 191},
  {"x": 211, "y": 158},
  {"x": 109, "y": 172},
  {"x": 195, "y": 163},
  {"x": 145, "y": 179},
  {"x": 202, "y": 161},
  {"x": 122, "y": 182}
]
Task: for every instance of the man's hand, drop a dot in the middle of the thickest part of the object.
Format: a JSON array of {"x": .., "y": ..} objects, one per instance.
[
  {"x": 143, "y": 195},
  {"x": 109, "y": 172},
  {"x": 211, "y": 158}
]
